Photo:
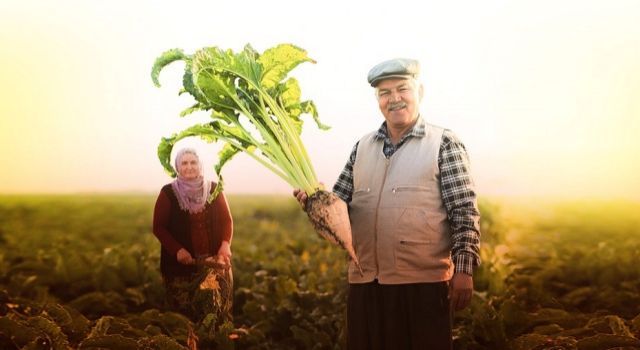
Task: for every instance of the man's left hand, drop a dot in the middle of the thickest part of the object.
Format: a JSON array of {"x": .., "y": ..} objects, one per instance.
[{"x": 460, "y": 291}]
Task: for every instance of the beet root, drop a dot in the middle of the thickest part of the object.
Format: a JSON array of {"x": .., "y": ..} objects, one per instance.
[{"x": 330, "y": 218}]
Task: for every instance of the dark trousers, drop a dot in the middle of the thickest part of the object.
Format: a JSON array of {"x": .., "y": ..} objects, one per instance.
[{"x": 398, "y": 317}]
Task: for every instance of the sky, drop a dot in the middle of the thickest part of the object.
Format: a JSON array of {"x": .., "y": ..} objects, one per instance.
[{"x": 544, "y": 94}]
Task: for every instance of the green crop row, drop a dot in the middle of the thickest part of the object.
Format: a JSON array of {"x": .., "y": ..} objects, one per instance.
[{"x": 82, "y": 272}]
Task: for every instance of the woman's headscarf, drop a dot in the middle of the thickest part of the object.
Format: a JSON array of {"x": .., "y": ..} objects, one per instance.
[{"x": 191, "y": 193}]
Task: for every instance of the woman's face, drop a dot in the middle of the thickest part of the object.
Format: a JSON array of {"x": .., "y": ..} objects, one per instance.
[{"x": 188, "y": 166}]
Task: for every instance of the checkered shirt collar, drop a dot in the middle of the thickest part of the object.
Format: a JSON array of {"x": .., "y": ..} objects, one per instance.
[{"x": 418, "y": 130}]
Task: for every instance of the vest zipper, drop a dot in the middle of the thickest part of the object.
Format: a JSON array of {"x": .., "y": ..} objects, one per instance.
[{"x": 375, "y": 227}]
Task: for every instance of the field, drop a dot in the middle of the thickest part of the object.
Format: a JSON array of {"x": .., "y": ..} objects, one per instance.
[{"x": 82, "y": 272}]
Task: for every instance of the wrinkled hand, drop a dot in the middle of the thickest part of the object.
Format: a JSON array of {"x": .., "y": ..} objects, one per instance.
[
  {"x": 184, "y": 257},
  {"x": 224, "y": 253},
  {"x": 301, "y": 196},
  {"x": 460, "y": 291}
]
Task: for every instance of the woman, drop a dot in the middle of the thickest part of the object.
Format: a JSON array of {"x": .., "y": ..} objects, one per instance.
[{"x": 195, "y": 237}]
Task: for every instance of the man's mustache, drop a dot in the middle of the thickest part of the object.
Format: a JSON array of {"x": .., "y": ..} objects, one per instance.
[{"x": 396, "y": 105}]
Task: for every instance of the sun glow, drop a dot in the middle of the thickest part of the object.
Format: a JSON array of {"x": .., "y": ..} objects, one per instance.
[{"x": 544, "y": 95}]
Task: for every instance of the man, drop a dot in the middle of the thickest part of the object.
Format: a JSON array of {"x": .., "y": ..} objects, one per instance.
[{"x": 415, "y": 222}]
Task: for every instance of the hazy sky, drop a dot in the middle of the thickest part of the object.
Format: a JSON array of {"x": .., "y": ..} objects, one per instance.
[{"x": 545, "y": 94}]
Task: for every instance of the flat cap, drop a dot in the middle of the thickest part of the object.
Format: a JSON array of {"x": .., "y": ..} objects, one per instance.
[{"x": 395, "y": 68}]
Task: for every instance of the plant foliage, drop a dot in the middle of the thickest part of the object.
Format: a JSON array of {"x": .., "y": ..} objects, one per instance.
[{"x": 254, "y": 107}]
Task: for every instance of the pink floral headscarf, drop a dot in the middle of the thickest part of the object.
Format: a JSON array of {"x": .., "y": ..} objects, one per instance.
[{"x": 192, "y": 194}]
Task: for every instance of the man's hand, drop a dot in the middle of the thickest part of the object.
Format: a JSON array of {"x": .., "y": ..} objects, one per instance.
[
  {"x": 460, "y": 290},
  {"x": 184, "y": 257},
  {"x": 301, "y": 196}
]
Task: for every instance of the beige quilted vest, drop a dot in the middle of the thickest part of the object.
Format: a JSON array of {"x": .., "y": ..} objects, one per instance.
[{"x": 400, "y": 229}]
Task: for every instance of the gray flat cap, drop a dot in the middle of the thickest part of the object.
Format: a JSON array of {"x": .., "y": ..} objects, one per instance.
[{"x": 395, "y": 68}]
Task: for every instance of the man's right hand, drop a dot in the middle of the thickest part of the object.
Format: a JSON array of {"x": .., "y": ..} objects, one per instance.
[
  {"x": 301, "y": 196},
  {"x": 184, "y": 257}
]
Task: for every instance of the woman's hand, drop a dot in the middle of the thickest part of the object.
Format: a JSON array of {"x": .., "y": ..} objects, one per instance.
[
  {"x": 184, "y": 257},
  {"x": 224, "y": 253}
]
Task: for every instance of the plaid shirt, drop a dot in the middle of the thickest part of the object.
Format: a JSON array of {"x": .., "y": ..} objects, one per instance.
[{"x": 458, "y": 194}]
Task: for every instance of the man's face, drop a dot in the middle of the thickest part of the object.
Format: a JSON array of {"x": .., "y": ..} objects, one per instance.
[{"x": 399, "y": 100}]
